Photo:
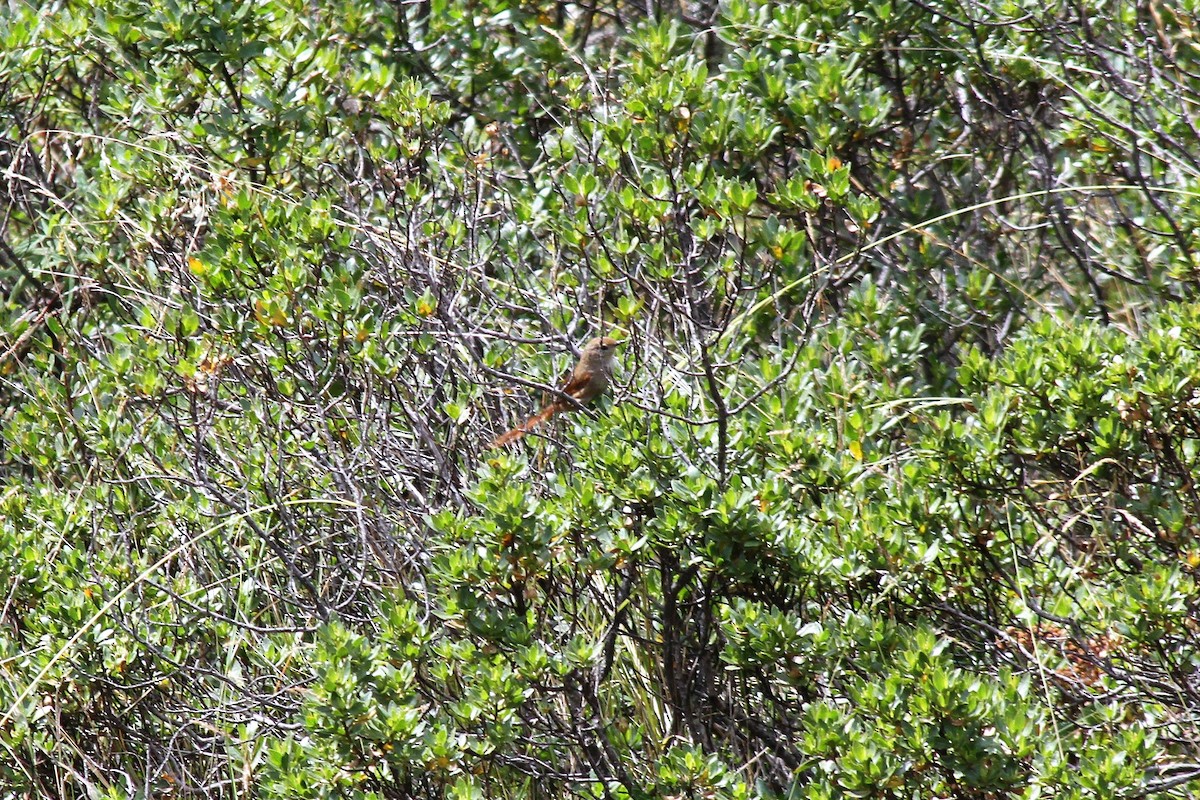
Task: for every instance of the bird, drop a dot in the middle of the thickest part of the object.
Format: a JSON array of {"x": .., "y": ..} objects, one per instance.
[{"x": 587, "y": 380}]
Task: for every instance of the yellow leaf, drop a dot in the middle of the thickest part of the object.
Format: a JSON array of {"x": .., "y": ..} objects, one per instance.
[
  {"x": 426, "y": 306},
  {"x": 856, "y": 450}
]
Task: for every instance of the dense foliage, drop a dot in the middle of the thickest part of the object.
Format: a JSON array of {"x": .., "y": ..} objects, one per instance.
[{"x": 895, "y": 496}]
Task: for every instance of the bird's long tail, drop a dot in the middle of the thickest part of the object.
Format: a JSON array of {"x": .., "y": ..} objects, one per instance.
[{"x": 526, "y": 426}]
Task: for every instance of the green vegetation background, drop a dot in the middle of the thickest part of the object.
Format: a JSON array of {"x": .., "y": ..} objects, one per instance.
[{"x": 895, "y": 497}]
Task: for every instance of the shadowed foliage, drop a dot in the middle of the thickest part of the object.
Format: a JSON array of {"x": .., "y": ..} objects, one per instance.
[{"x": 894, "y": 493}]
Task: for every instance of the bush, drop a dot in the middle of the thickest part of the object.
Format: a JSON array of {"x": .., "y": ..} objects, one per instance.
[{"x": 893, "y": 496}]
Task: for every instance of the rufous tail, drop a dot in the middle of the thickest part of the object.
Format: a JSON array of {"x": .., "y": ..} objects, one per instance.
[{"x": 526, "y": 426}]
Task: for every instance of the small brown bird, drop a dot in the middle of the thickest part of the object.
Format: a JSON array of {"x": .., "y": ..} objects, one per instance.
[{"x": 588, "y": 380}]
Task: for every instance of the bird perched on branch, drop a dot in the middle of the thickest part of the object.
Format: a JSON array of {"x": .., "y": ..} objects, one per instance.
[{"x": 588, "y": 380}]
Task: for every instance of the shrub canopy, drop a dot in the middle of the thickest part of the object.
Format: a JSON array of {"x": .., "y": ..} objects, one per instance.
[{"x": 894, "y": 496}]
